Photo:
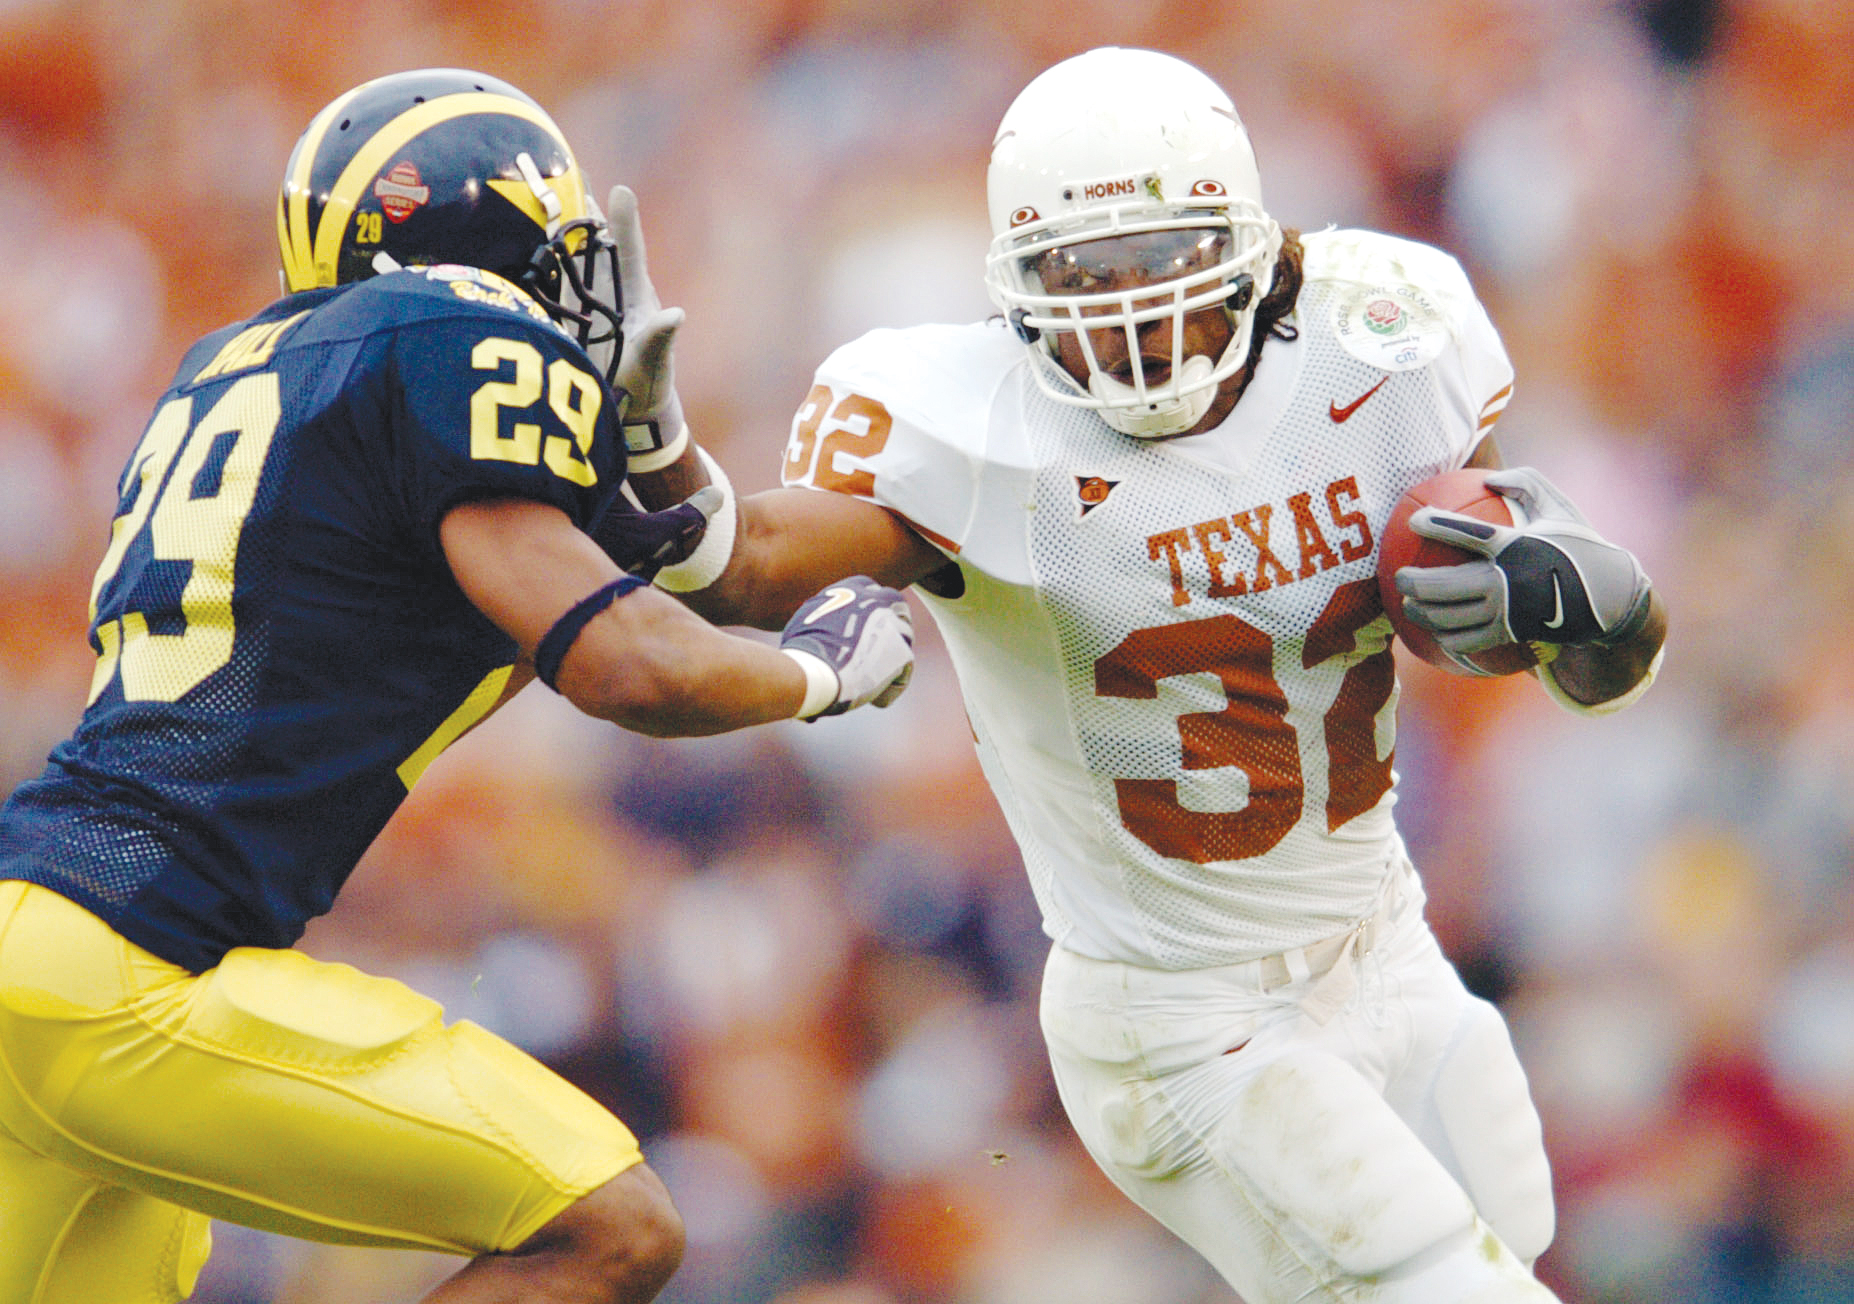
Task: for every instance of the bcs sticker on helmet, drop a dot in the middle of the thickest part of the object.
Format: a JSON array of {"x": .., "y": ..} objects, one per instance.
[
  {"x": 401, "y": 191},
  {"x": 1393, "y": 328}
]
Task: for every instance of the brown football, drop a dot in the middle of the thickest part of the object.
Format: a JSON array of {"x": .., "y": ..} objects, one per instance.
[{"x": 1466, "y": 493}]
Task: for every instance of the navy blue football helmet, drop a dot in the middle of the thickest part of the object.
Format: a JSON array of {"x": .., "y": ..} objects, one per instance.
[{"x": 444, "y": 165}]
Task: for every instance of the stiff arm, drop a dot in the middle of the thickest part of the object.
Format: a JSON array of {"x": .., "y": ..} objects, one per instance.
[{"x": 789, "y": 543}]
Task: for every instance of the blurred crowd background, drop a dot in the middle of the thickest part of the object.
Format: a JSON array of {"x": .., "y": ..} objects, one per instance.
[{"x": 802, "y": 961}]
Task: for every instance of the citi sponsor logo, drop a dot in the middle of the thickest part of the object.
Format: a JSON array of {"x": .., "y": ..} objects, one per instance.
[{"x": 1109, "y": 189}]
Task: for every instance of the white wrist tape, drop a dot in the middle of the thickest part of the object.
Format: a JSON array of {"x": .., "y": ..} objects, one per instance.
[
  {"x": 821, "y": 683},
  {"x": 711, "y": 556},
  {"x": 657, "y": 458},
  {"x": 1550, "y": 680}
]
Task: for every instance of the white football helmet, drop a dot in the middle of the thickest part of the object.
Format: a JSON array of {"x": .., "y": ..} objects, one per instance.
[{"x": 1138, "y": 160}]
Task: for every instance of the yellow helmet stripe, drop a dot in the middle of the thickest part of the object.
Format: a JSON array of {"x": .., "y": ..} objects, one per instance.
[
  {"x": 293, "y": 211},
  {"x": 393, "y": 137}
]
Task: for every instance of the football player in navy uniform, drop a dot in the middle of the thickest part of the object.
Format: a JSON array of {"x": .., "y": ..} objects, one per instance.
[{"x": 356, "y": 523}]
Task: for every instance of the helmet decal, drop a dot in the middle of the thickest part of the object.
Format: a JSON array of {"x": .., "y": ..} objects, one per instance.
[
  {"x": 448, "y": 166},
  {"x": 1209, "y": 189},
  {"x": 1025, "y": 214},
  {"x": 400, "y": 192},
  {"x": 1114, "y": 188}
]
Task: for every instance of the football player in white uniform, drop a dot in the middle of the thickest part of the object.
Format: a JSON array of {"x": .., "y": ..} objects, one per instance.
[{"x": 1143, "y": 505}]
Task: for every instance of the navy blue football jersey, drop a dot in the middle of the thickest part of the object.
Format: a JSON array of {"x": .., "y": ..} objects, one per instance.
[{"x": 281, "y": 647}]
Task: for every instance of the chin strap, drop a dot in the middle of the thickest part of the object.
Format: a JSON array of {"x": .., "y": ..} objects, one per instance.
[{"x": 1158, "y": 420}]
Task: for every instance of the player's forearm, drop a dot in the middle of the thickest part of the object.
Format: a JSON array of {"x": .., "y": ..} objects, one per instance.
[
  {"x": 775, "y": 565},
  {"x": 669, "y": 485},
  {"x": 724, "y": 694},
  {"x": 655, "y": 669},
  {"x": 1593, "y": 673}
]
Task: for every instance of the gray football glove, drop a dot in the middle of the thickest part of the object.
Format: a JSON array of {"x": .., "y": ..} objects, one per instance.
[
  {"x": 863, "y": 633},
  {"x": 1549, "y": 578},
  {"x": 653, "y": 419}
]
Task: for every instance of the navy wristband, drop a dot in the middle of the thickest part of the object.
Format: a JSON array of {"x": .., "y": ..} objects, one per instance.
[{"x": 554, "y": 644}]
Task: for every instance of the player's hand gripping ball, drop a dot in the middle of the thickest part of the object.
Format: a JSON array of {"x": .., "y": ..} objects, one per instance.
[{"x": 1465, "y": 493}]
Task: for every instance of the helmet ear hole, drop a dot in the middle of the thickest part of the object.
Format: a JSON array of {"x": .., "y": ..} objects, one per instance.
[{"x": 542, "y": 274}]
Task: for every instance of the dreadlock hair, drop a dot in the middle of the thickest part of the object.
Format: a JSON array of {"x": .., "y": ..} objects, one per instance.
[{"x": 1272, "y": 313}]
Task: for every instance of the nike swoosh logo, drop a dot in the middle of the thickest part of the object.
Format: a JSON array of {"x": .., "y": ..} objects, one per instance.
[
  {"x": 836, "y": 598},
  {"x": 1557, "y": 604},
  {"x": 1338, "y": 413}
]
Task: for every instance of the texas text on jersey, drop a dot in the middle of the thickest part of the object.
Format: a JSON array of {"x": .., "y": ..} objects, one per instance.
[{"x": 1256, "y": 641}]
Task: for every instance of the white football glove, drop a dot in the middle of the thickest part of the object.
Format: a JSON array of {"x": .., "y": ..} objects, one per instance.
[
  {"x": 1549, "y": 578},
  {"x": 858, "y": 633},
  {"x": 653, "y": 419}
]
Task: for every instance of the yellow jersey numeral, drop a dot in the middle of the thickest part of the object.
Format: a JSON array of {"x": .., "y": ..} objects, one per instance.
[
  {"x": 573, "y": 396},
  {"x": 187, "y": 516}
]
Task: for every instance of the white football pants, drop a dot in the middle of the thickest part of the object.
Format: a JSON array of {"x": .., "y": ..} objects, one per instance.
[{"x": 1388, "y": 1155}]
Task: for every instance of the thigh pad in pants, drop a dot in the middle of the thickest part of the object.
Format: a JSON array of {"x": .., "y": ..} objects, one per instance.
[
  {"x": 1340, "y": 1172},
  {"x": 1490, "y": 1126}
]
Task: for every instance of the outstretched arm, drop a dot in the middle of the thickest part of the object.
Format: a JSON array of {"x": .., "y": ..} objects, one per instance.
[
  {"x": 758, "y": 558},
  {"x": 791, "y": 542},
  {"x": 620, "y": 650}
]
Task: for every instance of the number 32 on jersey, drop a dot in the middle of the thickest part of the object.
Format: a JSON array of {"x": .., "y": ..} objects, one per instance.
[{"x": 1253, "y": 732}]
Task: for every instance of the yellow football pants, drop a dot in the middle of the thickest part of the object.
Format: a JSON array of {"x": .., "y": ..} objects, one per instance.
[{"x": 138, "y": 1100}]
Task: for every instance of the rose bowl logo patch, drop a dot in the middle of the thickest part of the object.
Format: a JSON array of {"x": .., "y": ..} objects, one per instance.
[
  {"x": 1390, "y": 327},
  {"x": 401, "y": 191}
]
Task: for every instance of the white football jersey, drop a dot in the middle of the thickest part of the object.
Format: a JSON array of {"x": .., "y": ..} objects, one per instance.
[{"x": 1173, "y": 652}]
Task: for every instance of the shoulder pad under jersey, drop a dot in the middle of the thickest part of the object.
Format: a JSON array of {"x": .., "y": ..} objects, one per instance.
[
  {"x": 903, "y": 418},
  {"x": 1399, "y": 304}
]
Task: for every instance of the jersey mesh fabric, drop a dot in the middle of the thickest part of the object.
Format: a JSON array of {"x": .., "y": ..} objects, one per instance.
[
  {"x": 1265, "y": 882},
  {"x": 223, "y": 799},
  {"x": 1218, "y": 786}
]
